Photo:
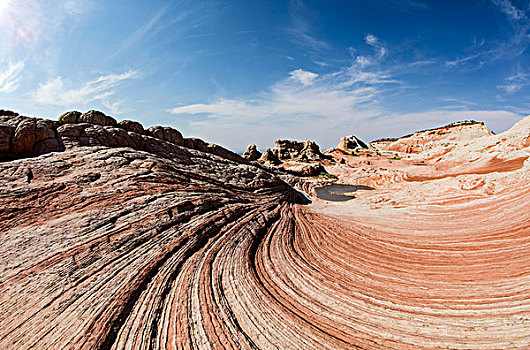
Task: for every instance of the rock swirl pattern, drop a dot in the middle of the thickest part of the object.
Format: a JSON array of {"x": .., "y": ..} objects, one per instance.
[{"x": 118, "y": 248}]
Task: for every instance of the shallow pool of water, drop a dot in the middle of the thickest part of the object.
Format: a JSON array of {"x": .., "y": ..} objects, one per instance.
[{"x": 339, "y": 193}]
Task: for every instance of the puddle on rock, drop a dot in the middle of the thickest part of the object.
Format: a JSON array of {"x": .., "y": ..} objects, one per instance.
[{"x": 339, "y": 193}]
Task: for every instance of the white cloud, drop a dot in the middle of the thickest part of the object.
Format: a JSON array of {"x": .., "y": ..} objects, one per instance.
[
  {"x": 371, "y": 39},
  {"x": 515, "y": 83},
  {"x": 509, "y": 9},
  {"x": 303, "y": 105},
  {"x": 303, "y": 76},
  {"x": 301, "y": 29},
  {"x": 10, "y": 76},
  {"x": 135, "y": 37},
  {"x": 59, "y": 92}
]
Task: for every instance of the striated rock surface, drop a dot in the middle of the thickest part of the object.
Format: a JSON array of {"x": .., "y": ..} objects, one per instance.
[
  {"x": 443, "y": 137},
  {"x": 151, "y": 244},
  {"x": 252, "y": 153}
]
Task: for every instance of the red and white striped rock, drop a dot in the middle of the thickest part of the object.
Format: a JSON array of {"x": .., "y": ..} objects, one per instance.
[{"x": 108, "y": 247}]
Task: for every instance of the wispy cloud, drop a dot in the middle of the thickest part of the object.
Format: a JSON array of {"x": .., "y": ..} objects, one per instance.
[
  {"x": 60, "y": 92},
  {"x": 371, "y": 39},
  {"x": 465, "y": 59},
  {"x": 483, "y": 52},
  {"x": 374, "y": 41},
  {"x": 301, "y": 30},
  {"x": 302, "y": 105},
  {"x": 406, "y": 5},
  {"x": 149, "y": 26},
  {"x": 423, "y": 63},
  {"x": 508, "y": 8},
  {"x": 515, "y": 83},
  {"x": 10, "y": 76},
  {"x": 519, "y": 22}
]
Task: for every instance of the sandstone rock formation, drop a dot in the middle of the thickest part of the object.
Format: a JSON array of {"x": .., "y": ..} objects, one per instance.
[
  {"x": 131, "y": 125},
  {"x": 69, "y": 117},
  {"x": 312, "y": 169},
  {"x": 252, "y": 153},
  {"x": 269, "y": 157},
  {"x": 445, "y": 136},
  {"x": 351, "y": 143},
  {"x": 167, "y": 133},
  {"x": 26, "y": 137},
  {"x": 127, "y": 241},
  {"x": 296, "y": 150},
  {"x": 96, "y": 117}
]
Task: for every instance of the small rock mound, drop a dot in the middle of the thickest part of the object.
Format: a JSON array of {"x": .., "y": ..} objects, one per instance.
[
  {"x": 98, "y": 118},
  {"x": 351, "y": 143},
  {"x": 252, "y": 153},
  {"x": 269, "y": 157}
]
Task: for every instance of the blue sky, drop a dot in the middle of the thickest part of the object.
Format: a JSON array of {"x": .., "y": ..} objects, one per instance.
[{"x": 240, "y": 72}]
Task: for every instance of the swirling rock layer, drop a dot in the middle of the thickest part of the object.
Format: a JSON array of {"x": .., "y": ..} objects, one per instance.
[{"x": 111, "y": 247}]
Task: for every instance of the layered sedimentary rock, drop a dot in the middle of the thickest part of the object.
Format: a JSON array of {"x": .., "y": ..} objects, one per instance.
[
  {"x": 445, "y": 136},
  {"x": 297, "y": 150},
  {"x": 105, "y": 245}
]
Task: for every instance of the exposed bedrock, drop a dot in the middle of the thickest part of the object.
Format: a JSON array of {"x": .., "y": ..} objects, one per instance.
[
  {"x": 22, "y": 137},
  {"x": 297, "y": 150},
  {"x": 252, "y": 153},
  {"x": 351, "y": 143},
  {"x": 101, "y": 237},
  {"x": 163, "y": 246},
  {"x": 442, "y": 137}
]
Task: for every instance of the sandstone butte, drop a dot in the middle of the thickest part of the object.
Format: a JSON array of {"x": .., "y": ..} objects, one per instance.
[{"x": 117, "y": 237}]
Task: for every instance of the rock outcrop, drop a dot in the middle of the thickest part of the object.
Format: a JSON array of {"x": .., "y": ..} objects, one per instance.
[
  {"x": 351, "y": 144},
  {"x": 70, "y": 117},
  {"x": 312, "y": 169},
  {"x": 269, "y": 157},
  {"x": 26, "y": 137},
  {"x": 296, "y": 150},
  {"x": 122, "y": 240},
  {"x": 97, "y": 117},
  {"x": 252, "y": 153},
  {"x": 22, "y": 137},
  {"x": 167, "y": 133},
  {"x": 131, "y": 125},
  {"x": 443, "y": 137}
]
